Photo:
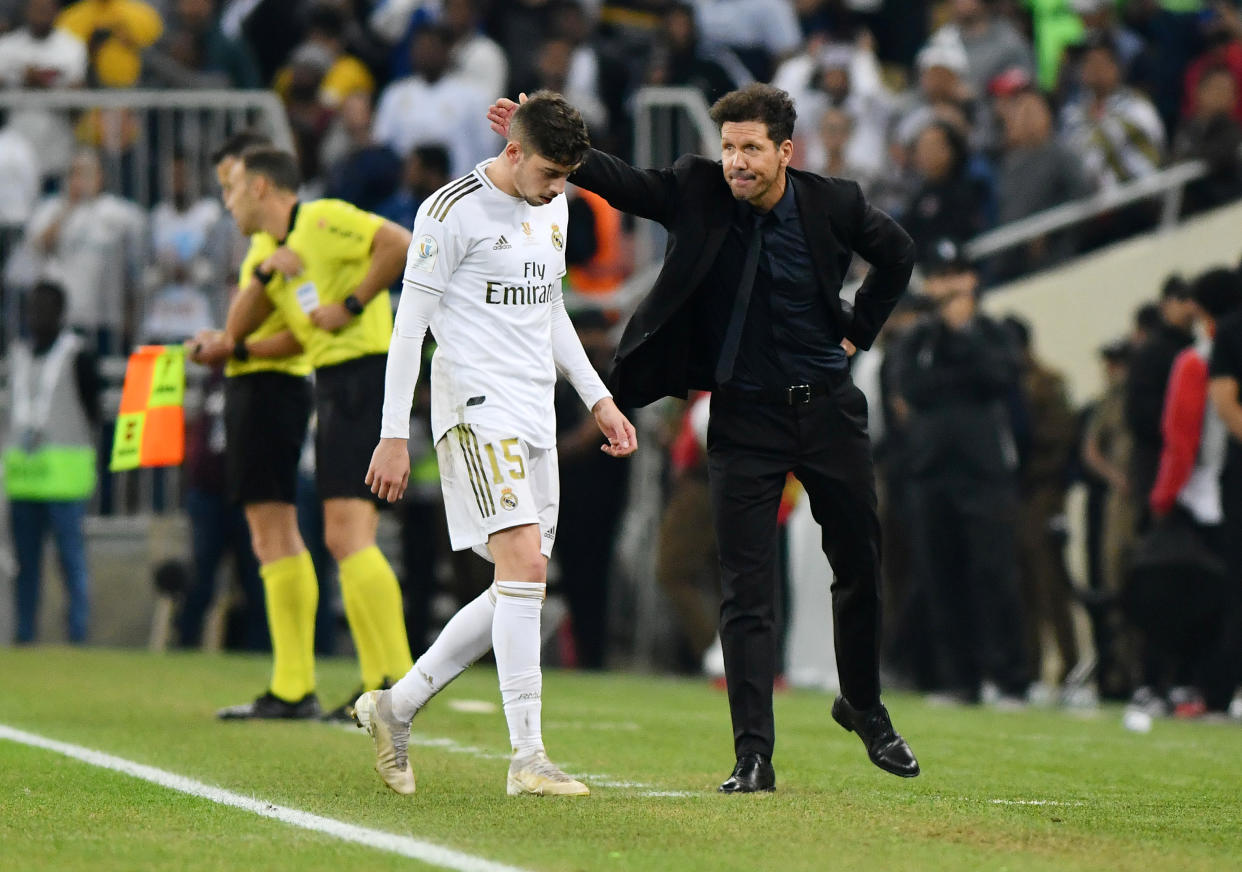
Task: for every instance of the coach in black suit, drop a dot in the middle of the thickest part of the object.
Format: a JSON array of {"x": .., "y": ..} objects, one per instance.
[{"x": 748, "y": 307}]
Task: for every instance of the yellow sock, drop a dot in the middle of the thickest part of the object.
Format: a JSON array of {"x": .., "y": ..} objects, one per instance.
[
  {"x": 376, "y": 619},
  {"x": 292, "y": 593}
]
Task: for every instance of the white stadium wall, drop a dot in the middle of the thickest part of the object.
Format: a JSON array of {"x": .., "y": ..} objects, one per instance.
[{"x": 1076, "y": 308}]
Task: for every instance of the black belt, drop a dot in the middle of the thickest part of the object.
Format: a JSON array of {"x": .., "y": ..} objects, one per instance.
[{"x": 794, "y": 395}]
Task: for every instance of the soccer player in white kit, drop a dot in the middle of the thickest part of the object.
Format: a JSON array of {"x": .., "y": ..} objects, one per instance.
[{"x": 484, "y": 271}]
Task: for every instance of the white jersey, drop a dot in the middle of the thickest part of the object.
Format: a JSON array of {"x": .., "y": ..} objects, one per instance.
[{"x": 496, "y": 264}]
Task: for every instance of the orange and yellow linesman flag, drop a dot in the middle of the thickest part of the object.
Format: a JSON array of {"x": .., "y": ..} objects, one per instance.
[{"x": 150, "y": 429}]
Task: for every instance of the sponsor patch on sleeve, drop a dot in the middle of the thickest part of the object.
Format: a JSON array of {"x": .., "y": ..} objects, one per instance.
[{"x": 425, "y": 252}]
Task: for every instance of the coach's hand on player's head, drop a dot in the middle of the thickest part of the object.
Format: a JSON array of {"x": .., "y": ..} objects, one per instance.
[
  {"x": 622, "y": 438},
  {"x": 283, "y": 260},
  {"x": 389, "y": 472},
  {"x": 330, "y": 316},
  {"x": 501, "y": 112}
]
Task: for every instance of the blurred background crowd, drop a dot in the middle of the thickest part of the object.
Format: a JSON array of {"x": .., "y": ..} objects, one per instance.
[{"x": 957, "y": 117}]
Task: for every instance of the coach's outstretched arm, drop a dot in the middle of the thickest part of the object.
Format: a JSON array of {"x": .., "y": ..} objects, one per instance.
[
  {"x": 650, "y": 194},
  {"x": 389, "y": 472}
]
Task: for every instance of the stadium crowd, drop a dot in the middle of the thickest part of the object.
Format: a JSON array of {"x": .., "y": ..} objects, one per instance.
[{"x": 955, "y": 116}]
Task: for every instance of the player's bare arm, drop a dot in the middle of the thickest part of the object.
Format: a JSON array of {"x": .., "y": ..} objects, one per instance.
[
  {"x": 389, "y": 473},
  {"x": 622, "y": 438},
  {"x": 388, "y": 250}
]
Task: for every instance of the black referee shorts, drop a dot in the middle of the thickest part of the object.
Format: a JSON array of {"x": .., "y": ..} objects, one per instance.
[
  {"x": 265, "y": 417},
  {"x": 349, "y": 401}
]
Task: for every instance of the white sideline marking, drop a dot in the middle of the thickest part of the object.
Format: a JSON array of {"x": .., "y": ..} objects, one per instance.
[
  {"x": 1032, "y": 802},
  {"x": 405, "y": 846}
]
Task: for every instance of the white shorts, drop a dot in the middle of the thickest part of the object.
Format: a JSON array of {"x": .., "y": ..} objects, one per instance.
[{"x": 492, "y": 482}]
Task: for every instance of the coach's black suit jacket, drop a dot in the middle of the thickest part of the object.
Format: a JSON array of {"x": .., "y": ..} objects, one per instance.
[{"x": 693, "y": 201}]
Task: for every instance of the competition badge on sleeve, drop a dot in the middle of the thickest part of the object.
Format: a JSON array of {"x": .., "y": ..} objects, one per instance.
[{"x": 150, "y": 429}]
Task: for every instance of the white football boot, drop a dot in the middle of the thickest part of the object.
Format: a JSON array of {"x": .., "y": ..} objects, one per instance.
[
  {"x": 373, "y": 713},
  {"x": 535, "y": 774}
]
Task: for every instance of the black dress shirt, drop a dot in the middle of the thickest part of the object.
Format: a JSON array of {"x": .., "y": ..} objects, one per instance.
[{"x": 789, "y": 336}]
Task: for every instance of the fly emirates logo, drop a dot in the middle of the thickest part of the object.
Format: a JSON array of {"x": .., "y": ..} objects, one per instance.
[{"x": 533, "y": 292}]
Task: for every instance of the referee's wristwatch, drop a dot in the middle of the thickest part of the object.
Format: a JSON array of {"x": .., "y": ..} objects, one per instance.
[
  {"x": 240, "y": 351},
  {"x": 353, "y": 305},
  {"x": 264, "y": 276}
]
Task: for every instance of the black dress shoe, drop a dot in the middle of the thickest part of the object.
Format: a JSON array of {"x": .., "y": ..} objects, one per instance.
[
  {"x": 884, "y": 745},
  {"x": 752, "y": 773}
]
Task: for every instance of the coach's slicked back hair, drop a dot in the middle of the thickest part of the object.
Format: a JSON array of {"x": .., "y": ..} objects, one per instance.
[
  {"x": 237, "y": 143},
  {"x": 758, "y": 102},
  {"x": 278, "y": 167},
  {"x": 550, "y": 127}
]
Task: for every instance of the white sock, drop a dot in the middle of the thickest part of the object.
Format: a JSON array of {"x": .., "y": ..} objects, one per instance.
[
  {"x": 515, "y": 638},
  {"x": 464, "y": 639}
]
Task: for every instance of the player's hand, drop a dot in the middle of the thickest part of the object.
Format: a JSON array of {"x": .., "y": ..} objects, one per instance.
[
  {"x": 330, "y": 316},
  {"x": 850, "y": 348},
  {"x": 283, "y": 260},
  {"x": 501, "y": 113},
  {"x": 622, "y": 438},
  {"x": 209, "y": 347},
  {"x": 389, "y": 472}
]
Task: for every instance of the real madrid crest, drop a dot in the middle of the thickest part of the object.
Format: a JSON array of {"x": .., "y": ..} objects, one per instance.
[
  {"x": 508, "y": 500},
  {"x": 558, "y": 239}
]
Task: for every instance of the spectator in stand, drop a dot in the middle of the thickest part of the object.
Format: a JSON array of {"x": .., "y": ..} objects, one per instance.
[
  {"x": 942, "y": 68},
  {"x": 426, "y": 170},
  {"x": 1114, "y": 129},
  {"x": 948, "y": 203},
  {"x": 309, "y": 117},
  {"x": 1100, "y": 17},
  {"x": 836, "y": 133},
  {"x": 846, "y": 77},
  {"x": 19, "y": 182},
  {"x": 553, "y": 60},
  {"x": 1212, "y": 134},
  {"x": 115, "y": 33},
  {"x": 761, "y": 32},
  {"x": 1222, "y": 38},
  {"x": 992, "y": 44},
  {"x": 435, "y": 106},
  {"x": 364, "y": 172},
  {"x": 679, "y": 57},
  {"x": 344, "y": 73},
  {"x": 1043, "y": 478},
  {"x": 49, "y": 459},
  {"x": 1145, "y": 389},
  {"x": 38, "y": 56},
  {"x": 195, "y": 53},
  {"x": 476, "y": 57},
  {"x": 1036, "y": 173},
  {"x": 93, "y": 242},
  {"x": 957, "y": 372},
  {"x": 181, "y": 228}
]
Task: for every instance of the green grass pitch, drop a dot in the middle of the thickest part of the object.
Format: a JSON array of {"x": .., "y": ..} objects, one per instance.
[{"x": 653, "y": 750}]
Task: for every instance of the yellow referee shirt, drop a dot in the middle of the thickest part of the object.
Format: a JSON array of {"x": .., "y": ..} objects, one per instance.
[
  {"x": 333, "y": 238},
  {"x": 262, "y": 245}
]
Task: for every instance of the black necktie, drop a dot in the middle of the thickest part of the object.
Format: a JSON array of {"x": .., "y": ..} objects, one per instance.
[{"x": 737, "y": 320}]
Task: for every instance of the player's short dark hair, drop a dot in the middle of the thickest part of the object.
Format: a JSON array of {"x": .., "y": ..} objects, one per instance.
[
  {"x": 237, "y": 143},
  {"x": 758, "y": 102},
  {"x": 278, "y": 167},
  {"x": 551, "y": 128},
  {"x": 1217, "y": 291}
]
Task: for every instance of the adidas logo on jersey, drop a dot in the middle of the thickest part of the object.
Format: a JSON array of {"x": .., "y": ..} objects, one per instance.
[{"x": 501, "y": 244}]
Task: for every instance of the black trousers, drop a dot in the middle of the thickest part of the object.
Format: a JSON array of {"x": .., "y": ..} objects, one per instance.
[{"x": 751, "y": 447}]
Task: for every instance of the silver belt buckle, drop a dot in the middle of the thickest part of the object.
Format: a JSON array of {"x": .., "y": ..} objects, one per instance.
[{"x": 798, "y": 395}]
